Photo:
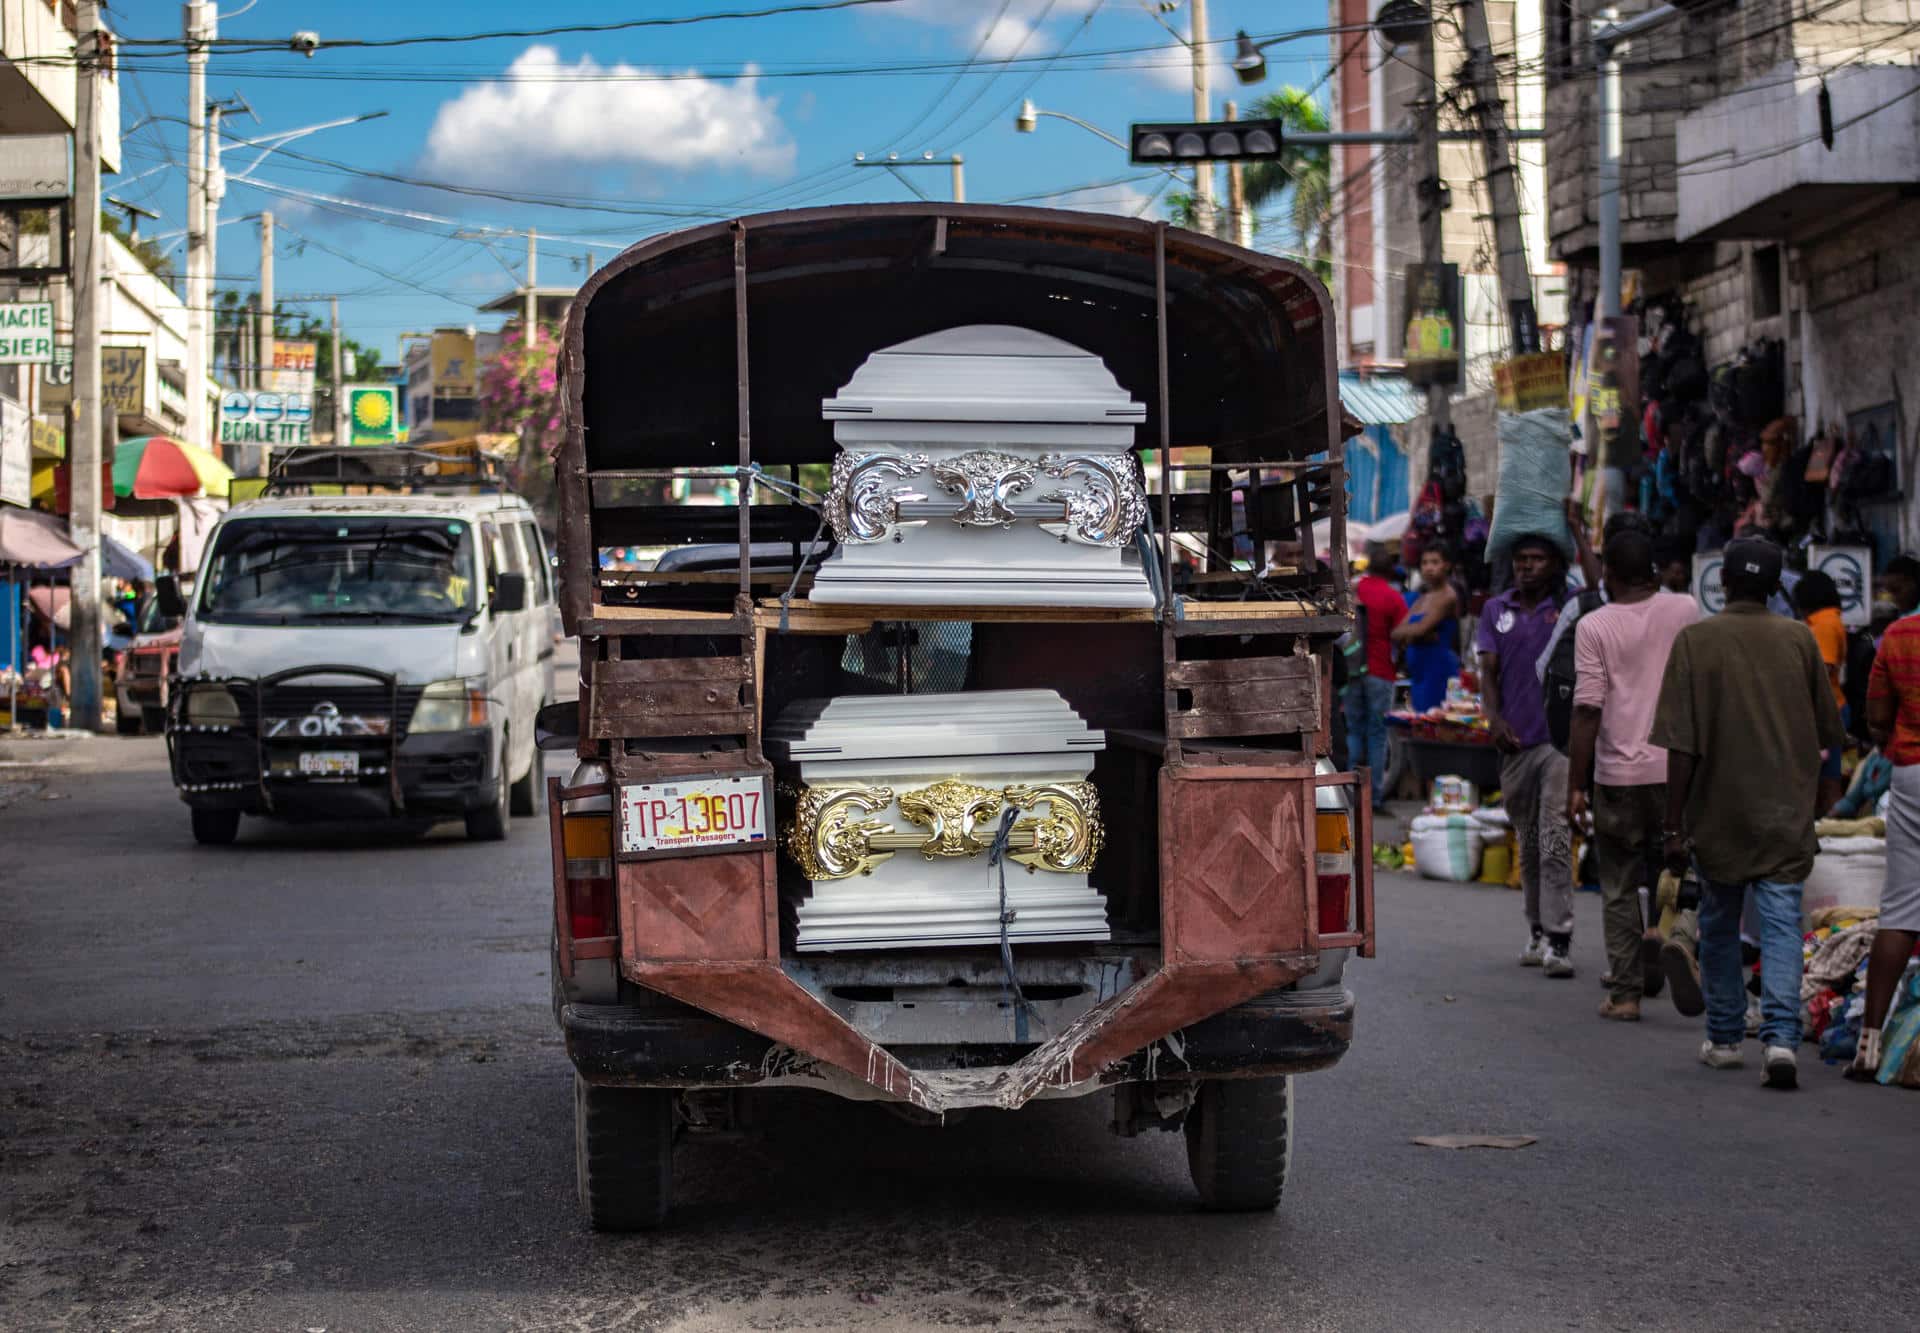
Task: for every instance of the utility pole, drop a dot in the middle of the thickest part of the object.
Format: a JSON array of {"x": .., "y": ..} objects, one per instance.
[
  {"x": 1204, "y": 212},
  {"x": 339, "y": 391},
  {"x": 88, "y": 433},
  {"x": 893, "y": 162},
  {"x": 199, "y": 270},
  {"x": 1430, "y": 190},
  {"x": 1608, "y": 35},
  {"x": 533, "y": 306},
  {"x": 1489, "y": 111},
  {"x": 263, "y": 353},
  {"x": 1237, "y": 192}
]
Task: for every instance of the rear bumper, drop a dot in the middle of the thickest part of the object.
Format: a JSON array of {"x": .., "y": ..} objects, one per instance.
[
  {"x": 670, "y": 1045},
  {"x": 438, "y": 773}
]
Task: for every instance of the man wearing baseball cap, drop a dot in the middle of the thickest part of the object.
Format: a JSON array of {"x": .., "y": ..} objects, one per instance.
[{"x": 1744, "y": 712}]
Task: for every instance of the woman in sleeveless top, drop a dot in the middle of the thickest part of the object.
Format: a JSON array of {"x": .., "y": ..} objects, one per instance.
[{"x": 1430, "y": 635}]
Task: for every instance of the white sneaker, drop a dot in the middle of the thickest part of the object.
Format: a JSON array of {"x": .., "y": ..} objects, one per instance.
[
  {"x": 1753, "y": 1015},
  {"x": 1715, "y": 1056},
  {"x": 1535, "y": 953},
  {"x": 1783, "y": 1070},
  {"x": 1556, "y": 964}
]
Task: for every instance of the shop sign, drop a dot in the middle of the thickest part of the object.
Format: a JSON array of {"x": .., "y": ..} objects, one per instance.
[
  {"x": 1707, "y": 592},
  {"x": 49, "y": 440},
  {"x": 1851, "y": 569},
  {"x": 56, "y": 377},
  {"x": 1527, "y": 383},
  {"x": 123, "y": 381},
  {"x": 265, "y": 417},
  {"x": 1433, "y": 325},
  {"x": 26, "y": 333},
  {"x": 16, "y": 454},
  {"x": 290, "y": 366},
  {"x": 373, "y": 414},
  {"x": 453, "y": 370},
  {"x": 36, "y": 166}
]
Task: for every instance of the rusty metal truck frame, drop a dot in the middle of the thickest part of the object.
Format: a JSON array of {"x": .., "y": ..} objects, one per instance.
[{"x": 675, "y": 684}]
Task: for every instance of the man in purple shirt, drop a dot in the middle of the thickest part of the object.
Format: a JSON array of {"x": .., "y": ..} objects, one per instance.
[{"x": 1514, "y": 629}]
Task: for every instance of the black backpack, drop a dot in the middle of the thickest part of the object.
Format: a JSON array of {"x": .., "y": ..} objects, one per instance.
[{"x": 1556, "y": 687}]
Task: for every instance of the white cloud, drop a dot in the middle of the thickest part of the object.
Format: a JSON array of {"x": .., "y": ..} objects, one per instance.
[
  {"x": 1173, "y": 70},
  {"x": 1126, "y": 200},
  {"x": 548, "y": 116},
  {"x": 1008, "y": 36}
]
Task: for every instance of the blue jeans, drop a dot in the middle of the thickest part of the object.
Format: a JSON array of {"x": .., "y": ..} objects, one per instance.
[
  {"x": 1777, "y": 904},
  {"x": 1368, "y": 701}
]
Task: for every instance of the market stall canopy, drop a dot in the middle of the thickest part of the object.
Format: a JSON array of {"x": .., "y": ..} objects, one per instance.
[
  {"x": 157, "y": 467},
  {"x": 54, "y": 605},
  {"x": 30, "y": 540},
  {"x": 1389, "y": 529},
  {"x": 119, "y": 561}
]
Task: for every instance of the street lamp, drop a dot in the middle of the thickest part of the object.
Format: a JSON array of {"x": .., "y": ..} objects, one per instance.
[{"x": 1028, "y": 120}]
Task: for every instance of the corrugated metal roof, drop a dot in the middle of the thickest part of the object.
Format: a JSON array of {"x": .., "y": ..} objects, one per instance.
[{"x": 1381, "y": 400}]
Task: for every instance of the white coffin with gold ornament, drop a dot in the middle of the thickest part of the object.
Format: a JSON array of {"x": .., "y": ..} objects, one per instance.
[
  {"x": 986, "y": 465},
  {"x": 890, "y": 806}
]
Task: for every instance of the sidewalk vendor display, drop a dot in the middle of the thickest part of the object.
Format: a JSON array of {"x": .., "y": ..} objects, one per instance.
[{"x": 1452, "y": 738}]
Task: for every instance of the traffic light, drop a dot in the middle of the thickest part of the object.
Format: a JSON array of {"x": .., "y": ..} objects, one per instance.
[{"x": 1162, "y": 144}]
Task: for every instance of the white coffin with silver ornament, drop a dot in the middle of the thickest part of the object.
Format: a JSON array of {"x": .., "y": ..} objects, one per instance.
[
  {"x": 890, "y": 805},
  {"x": 985, "y": 466}
]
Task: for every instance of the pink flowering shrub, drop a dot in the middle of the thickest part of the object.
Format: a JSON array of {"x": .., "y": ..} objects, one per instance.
[{"x": 520, "y": 389}]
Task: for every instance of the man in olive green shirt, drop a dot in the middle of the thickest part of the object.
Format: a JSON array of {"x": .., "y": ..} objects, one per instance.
[{"x": 1744, "y": 714}]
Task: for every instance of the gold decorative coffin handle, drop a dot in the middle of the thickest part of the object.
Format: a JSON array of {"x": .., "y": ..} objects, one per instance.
[{"x": 830, "y": 839}]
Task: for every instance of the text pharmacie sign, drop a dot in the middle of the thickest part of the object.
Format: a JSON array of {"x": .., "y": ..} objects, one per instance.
[
  {"x": 266, "y": 418},
  {"x": 26, "y": 333}
]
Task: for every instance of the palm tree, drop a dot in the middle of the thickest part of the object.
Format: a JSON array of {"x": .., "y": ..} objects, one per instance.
[{"x": 1304, "y": 175}]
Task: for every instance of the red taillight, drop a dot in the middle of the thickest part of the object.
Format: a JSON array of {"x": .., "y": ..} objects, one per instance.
[
  {"x": 1333, "y": 859},
  {"x": 1336, "y": 893},
  {"x": 588, "y": 843}
]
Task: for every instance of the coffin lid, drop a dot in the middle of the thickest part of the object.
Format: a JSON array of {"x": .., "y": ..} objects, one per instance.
[
  {"x": 970, "y": 727},
  {"x": 985, "y": 372}
]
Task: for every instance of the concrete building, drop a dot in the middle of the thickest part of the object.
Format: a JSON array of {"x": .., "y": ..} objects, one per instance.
[
  {"x": 1376, "y": 231},
  {"x": 1753, "y": 214},
  {"x": 440, "y": 376},
  {"x": 38, "y": 96}
]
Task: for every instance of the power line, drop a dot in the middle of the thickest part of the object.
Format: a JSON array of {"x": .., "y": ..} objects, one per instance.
[{"x": 558, "y": 30}]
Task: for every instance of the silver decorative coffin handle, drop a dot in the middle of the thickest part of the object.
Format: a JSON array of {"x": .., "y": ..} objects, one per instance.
[
  {"x": 1106, "y": 508},
  {"x": 861, "y": 507}
]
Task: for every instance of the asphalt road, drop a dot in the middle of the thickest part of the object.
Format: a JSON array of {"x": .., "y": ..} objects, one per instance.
[{"x": 311, "y": 1082}]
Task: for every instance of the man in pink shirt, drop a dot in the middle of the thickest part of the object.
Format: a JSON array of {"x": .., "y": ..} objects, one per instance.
[{"x": 1620, "y": 658}]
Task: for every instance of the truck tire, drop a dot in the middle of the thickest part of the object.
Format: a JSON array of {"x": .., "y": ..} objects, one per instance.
[
  {"x": 622, "y": 1155},
  {"x": 215, "y": 828},
  {"x": 126, "y": 721},
  {"x": 529, "y": 791},
  {"x": 491, "y": 823},
  {"x": 1240, "y": 1143}
]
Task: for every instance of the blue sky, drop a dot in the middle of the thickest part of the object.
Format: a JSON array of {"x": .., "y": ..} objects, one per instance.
[{"x": 756, "y": 114}]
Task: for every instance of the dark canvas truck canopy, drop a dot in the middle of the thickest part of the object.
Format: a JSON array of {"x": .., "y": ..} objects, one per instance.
[{"x": 1248, "y": 341}]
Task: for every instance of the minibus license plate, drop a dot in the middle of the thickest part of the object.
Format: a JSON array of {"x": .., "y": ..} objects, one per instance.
[{"x": 330, "y": 763}]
